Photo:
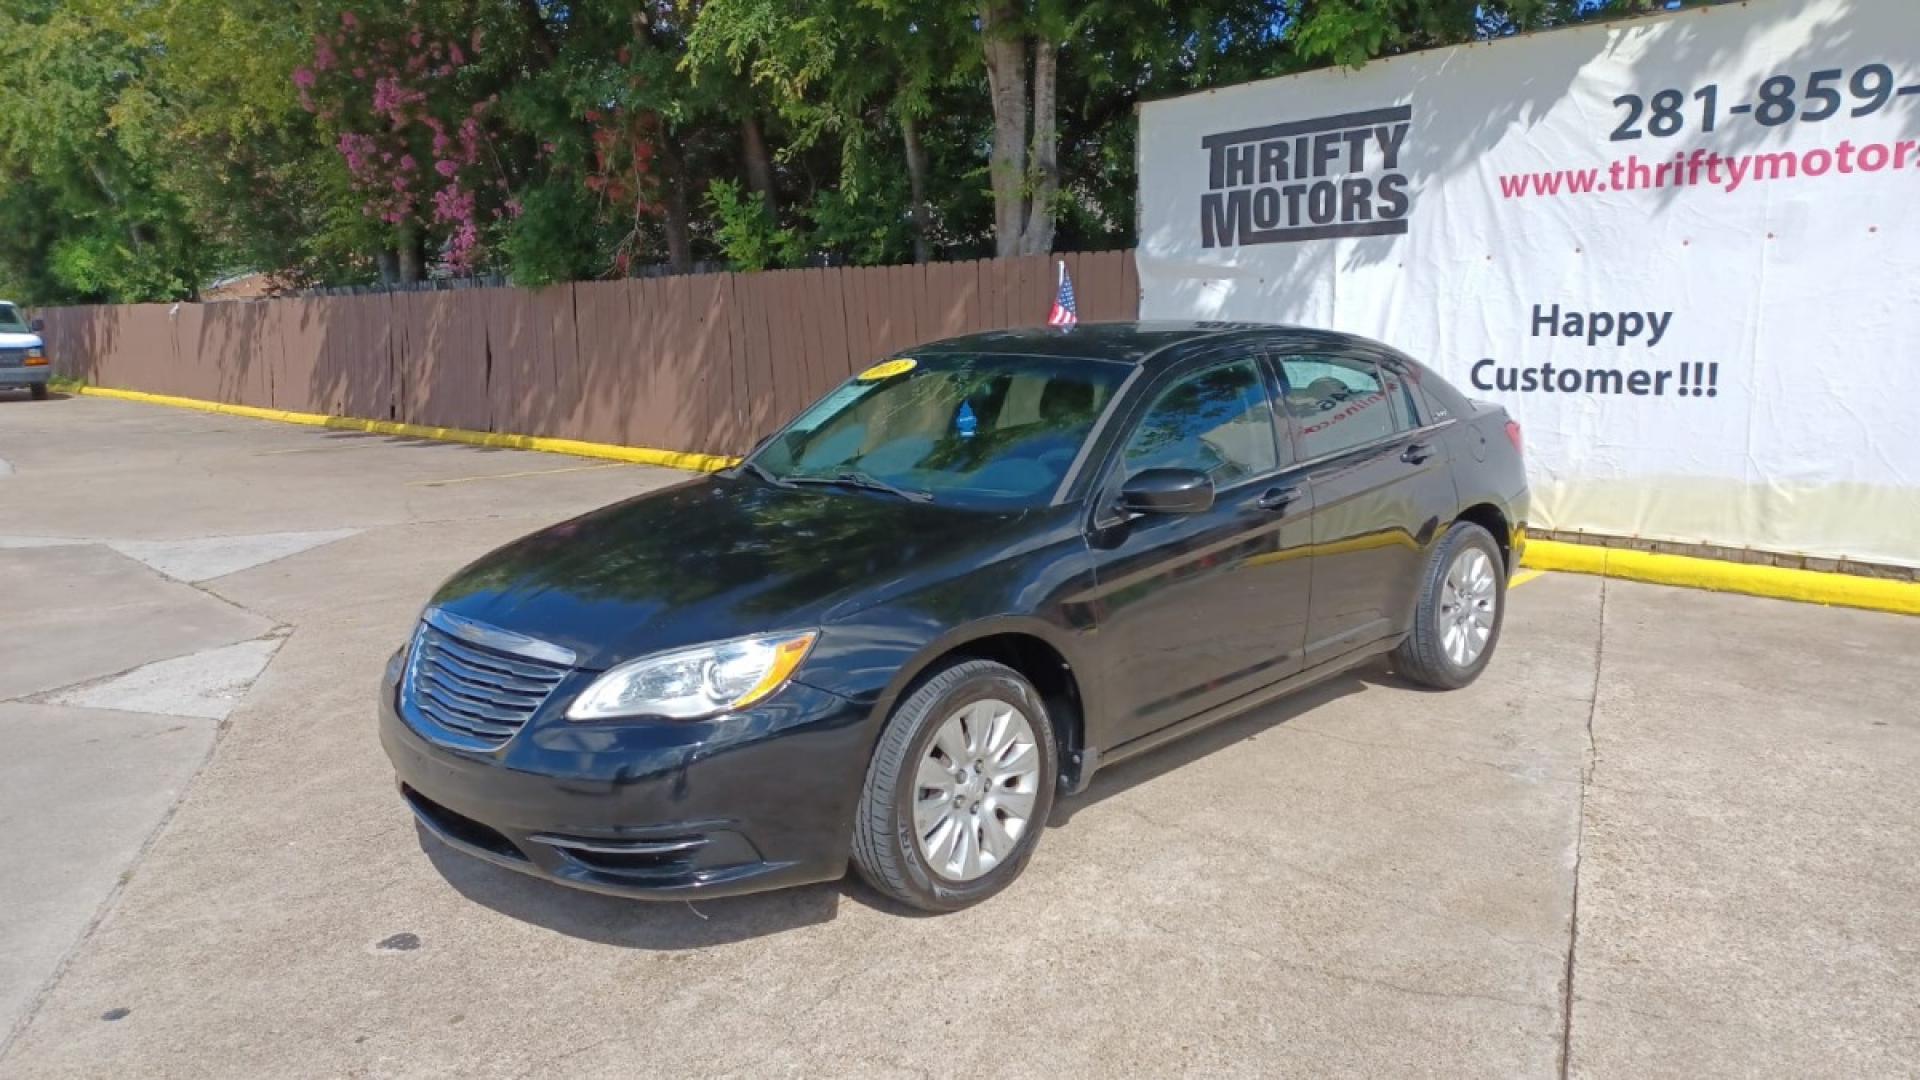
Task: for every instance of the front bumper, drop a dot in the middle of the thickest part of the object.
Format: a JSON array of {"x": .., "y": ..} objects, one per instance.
[
  {"x": 25, "y": 376},
  {"x": 739, "y": 804}
]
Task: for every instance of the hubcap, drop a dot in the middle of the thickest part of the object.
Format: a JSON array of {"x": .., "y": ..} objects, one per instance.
[
  {"x": 974, "y": 790},
  {"x": 1467, "y": 606}
]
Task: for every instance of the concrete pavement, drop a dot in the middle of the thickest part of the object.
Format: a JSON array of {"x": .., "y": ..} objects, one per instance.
[{"x": 1705, "y": 800}]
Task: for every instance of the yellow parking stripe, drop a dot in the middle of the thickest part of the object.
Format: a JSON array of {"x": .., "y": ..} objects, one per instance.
[
  {"x": 356, "y": 445},
  {"x": 513, "y": 475},
  {"x": 1523, "y": 577}
]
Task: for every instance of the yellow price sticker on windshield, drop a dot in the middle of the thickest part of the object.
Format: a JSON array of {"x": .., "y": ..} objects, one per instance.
[{"x": 888, "y": 369}]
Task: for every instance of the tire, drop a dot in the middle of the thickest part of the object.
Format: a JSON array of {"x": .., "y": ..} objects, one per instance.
[
  {"x": 40, "y": 391},
  {"x": 1431, "y": 655},
  {"x": 891, "y": 849}
]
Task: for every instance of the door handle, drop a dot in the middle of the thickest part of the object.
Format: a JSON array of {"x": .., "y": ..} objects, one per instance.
[
  {"x": 1277, "y": 498},
  {"x": 1417, "y": 453}
]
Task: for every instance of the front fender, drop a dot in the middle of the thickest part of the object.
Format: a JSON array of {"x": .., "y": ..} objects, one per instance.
[
  {"x": 875, "y": 663},
  {"x": 872, "y": 657}
]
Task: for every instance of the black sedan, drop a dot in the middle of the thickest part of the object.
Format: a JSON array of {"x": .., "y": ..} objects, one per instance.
[{"x": 949, "y": 592}]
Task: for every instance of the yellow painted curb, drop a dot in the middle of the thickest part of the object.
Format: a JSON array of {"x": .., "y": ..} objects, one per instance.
[
  {"x": 1809, "y": 586},
  {"x": 639, "y": 455}
]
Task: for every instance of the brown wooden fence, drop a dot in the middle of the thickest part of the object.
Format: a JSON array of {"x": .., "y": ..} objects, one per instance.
[{"x": 706, "y": 363}]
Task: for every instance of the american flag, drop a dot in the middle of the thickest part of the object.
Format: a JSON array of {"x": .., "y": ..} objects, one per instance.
[{"x": 1065, "y": 312}]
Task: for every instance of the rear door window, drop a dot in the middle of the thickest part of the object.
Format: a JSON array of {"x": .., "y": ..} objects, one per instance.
[{"x": 1338, "y": 403}]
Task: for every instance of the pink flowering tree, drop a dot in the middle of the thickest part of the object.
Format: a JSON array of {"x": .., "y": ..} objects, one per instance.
[{"x": 407, "y": 109}]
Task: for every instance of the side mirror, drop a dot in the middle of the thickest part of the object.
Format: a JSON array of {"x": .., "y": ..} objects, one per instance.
[
  {"x": 1167, "y": 491},
  {"x": 38, "y": 325}
]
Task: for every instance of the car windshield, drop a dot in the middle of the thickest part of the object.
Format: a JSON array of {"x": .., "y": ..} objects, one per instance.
[
  {"x": 10, "y": 321},
  {"x": 959, "y": 428}
]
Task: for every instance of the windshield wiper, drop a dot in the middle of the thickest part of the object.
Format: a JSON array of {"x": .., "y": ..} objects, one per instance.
[{"x": 864, "y": 481}]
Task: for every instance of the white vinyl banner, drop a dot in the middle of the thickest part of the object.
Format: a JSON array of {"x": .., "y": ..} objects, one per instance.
[{"x": 1680, "y": 250}]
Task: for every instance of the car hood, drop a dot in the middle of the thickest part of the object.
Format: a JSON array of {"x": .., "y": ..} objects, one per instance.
[
  {"x": 715, "y": 558},
  {"x": 20, "y": 341}
]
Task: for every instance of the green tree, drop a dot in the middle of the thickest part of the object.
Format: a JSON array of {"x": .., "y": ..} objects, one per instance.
[
  {"x": 228, "y": 137},
  {"x": 857, "y": 72},
  {"x": 77, "y": 161},
  {"x": 146, "y": 147}
]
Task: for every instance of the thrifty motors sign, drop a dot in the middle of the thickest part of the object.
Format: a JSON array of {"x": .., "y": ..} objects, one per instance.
[
  {"x": 1684, "y": 251},
  {"x": 1307, "y": 180}
]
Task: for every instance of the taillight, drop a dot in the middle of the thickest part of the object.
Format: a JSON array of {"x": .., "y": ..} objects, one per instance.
[{"x": 1513, "y": 435}]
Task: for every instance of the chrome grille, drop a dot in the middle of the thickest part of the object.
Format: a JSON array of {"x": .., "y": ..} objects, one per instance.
[
  {"x": 481, "y": 696},
  {"x": 13, "y": 357}
]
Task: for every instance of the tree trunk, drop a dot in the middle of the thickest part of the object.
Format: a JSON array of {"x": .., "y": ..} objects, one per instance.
[
  {"x": 922, "y": 214},
  {"x": 676, "y": 219},
  {"x": 413, "y": 256},
  {"x": 753, "y": 146},
  {"x": 1043, "y": 164},
  {"x": 389, "y": 265},
  {"x": 1006, "y": 55},
  {"x": 538, "y": 31},
  {"x": 100, "y": 178}
]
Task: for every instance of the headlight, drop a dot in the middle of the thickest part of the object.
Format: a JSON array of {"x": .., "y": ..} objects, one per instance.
[
  {"x": 689, "y": 684},
  {"x": 36, "y": 350}
]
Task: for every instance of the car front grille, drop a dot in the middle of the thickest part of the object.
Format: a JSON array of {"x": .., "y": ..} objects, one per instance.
[
  {"x": 481, "y": 696},
  {"x": 12, "y": 357}
]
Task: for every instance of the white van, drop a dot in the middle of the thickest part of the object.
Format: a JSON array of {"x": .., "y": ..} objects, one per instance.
[{"x": 23, "y": 356}]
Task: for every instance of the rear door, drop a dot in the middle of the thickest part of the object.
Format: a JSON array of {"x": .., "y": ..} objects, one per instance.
[
  {"x": 1382, "y": 488},
  {"x": 1196, "y": 609}
]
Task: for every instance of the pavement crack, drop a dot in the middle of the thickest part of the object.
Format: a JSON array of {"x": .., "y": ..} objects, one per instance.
[
  {"x": 1649, "y": 1014},
  {"x": 279, "y": 632},
  {"x": 1336, "y": 883},
  {"x": 1376, "y": 982},
  {"x": 1580, "y": 842},
  {"x": 204, "y": 588},
  {"x": 107, "y": 906},
  {"x": 545, "y": 1066},
  {"x": 1410, "y": 748}
]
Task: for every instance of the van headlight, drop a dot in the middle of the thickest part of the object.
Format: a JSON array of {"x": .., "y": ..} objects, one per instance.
[{"x": 689, "y": 684}]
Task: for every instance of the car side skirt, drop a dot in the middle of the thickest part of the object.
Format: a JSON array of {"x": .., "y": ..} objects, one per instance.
[{"x": 1093, "y": 760}]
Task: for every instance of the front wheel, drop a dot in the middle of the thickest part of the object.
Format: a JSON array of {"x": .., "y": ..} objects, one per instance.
[
  {"x": 1456, "y": 623},
  {"x": 39, "y": 391},
  {"x": 959, "y": 788}
]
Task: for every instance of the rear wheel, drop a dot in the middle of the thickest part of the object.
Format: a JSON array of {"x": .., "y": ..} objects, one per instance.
[
  {"x": 39, "y": 391},
  {"x": 958, "y": 790},
  {"x": 1456, "y": 623}
]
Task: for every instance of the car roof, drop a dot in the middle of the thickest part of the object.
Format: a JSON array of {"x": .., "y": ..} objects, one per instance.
[{"x": 1151, "y": 344}]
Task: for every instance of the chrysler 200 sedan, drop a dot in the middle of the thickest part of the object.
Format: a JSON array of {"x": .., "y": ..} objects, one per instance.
[{"x": 951, "y": 591}]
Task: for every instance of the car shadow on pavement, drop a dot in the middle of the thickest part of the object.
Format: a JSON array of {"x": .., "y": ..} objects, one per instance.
[
  {"x": 679, "y": 924},
  {"x": 1115, "y": 779}
]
